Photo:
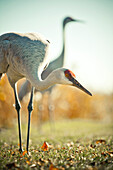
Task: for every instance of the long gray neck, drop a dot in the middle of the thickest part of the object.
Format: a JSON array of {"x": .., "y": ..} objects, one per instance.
[
  {"x": 40, "y": 84},
  {"x": 63, "y": 48}
]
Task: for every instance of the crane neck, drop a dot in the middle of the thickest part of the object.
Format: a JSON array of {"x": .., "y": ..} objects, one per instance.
[
  {"x": 63, "y": 47},
  {"x": 40, "y": 84}
]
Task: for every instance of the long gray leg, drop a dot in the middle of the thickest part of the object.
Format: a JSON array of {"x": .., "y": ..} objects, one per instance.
[
  {"x": 30, "y": 108},
  {"x": 17, "y": 107}
]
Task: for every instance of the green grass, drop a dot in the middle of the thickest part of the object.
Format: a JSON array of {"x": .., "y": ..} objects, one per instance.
[{"x": 74, "y": 144}]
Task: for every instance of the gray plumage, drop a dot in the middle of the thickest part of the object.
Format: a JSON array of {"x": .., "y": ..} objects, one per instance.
[
  {"x": 57, "y": 63},
  {"x": 22, "y": 55},
  {"x": 25, "y": 55}
]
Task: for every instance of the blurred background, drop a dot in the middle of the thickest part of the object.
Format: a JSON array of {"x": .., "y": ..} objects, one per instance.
[{"x": 89, "y": 54}]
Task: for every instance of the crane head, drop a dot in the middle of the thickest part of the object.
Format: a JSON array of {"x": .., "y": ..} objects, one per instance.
[
  {"x": 70, "y": 76},
  {"x": 70, "y": 19}
]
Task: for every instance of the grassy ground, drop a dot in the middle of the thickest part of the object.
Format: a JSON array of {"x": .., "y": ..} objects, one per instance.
[{"x": 75, "y": 144}]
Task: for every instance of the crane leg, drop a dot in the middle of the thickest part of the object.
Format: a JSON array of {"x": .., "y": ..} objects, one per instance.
[
  {"x": 17, "y": 107},
  {"x": 30, "y": 108}
]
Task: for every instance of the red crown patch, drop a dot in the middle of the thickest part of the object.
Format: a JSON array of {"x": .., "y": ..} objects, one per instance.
[{"x": 69, "y": 73}]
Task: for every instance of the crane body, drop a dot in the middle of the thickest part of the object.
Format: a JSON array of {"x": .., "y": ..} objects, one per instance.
[{"x": 27, "y": 49}]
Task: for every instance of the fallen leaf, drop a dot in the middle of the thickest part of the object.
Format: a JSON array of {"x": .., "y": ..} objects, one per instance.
[
  {"x": 45, "y": 146},
  {"x": 24, "y": 153},
  {"x": 100, "y": 141},
  {"x": 13, "y": 153},
  {"x": 28, "y": 162},
  {"x": 52, "y": 167}
]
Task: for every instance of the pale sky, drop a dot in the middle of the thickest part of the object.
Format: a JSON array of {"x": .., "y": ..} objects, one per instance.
[{"x": 89, "y": 46}]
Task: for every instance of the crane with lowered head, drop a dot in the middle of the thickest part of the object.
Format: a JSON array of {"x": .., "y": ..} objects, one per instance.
[
  {"x": 25, "y": 55},
  {"x": 57, "y": 63}
]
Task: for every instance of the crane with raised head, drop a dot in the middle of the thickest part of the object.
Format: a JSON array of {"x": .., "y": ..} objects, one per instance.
[
  {"x": 25, "y": 55},
  {"x": 57, "y": 63}
]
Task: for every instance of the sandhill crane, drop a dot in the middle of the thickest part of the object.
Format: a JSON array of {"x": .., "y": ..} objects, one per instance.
[
  {"x": 57, "y": 63},
  {"x": 25, "y": 55}
]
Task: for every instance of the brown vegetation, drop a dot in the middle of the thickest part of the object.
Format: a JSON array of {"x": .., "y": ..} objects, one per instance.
[
  {"x": 7, "y": 111},
  {"x": 68, "y": 101}
]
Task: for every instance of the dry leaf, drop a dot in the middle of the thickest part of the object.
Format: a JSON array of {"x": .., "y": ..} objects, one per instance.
[
  {"x": 100, "y": 141},
  {"x": 12, "y": 153},
  {"x": 24, "y": 153},
  {"x": 28, "y": 162},
  {"x": 52, "y": 167},
  {"x": 45, "y": 146}
]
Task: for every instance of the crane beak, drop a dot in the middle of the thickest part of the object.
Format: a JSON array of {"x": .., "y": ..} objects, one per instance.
[
  {"x": 77, "y": 20},
  {"x": 78, "y": 85}
]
